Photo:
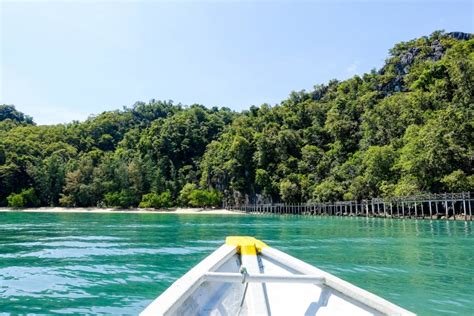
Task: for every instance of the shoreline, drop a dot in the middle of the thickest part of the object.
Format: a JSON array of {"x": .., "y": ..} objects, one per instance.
[{"x": 193, "y": 211}]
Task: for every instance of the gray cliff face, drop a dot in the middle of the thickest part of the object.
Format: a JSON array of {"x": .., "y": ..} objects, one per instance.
[
  {"x": 407, "y": 58},
  {"x": 460, "y": 35}
]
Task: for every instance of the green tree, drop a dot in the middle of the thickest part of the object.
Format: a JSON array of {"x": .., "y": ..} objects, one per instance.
[
  {"x": 184, "y": 194},
  {"x": 458, "y": 181},
  {"x": 9, "y": 112},
  {"x": 16, "y": 200},
  {"x": 204, "y": 198},
  {"x": 153, "y": 200},
  {"x": 26, "y": 198},
  {"x": 328, "y": 191},
  {"x": 123, "y": 199}
]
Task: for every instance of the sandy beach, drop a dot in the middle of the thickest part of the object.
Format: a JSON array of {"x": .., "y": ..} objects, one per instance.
[{"x": 193, "y": 211}]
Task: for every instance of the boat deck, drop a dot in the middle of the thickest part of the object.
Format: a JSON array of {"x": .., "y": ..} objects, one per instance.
[{"x": 264, "y": 281}]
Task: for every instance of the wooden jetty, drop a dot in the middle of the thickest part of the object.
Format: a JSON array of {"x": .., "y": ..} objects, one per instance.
[{"x": 450, "y": 206}]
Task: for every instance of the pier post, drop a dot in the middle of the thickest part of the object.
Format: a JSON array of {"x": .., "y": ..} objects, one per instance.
[
  {"x": 377, "y": 207},
  {"x": 453, "y": 204},
  {"x": 464, "y": 206},
  {"x": 470, "y": 211},
  {"x": 446, "y": 207}
]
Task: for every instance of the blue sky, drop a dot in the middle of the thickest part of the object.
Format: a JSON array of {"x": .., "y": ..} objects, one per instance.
[{"x": 61, "y": 61}]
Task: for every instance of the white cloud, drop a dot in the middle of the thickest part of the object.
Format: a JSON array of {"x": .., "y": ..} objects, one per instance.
[{"x": 352, "y": 69}]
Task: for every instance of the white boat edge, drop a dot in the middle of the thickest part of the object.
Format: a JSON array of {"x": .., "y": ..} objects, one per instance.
[{"x": 182, "y": 288}]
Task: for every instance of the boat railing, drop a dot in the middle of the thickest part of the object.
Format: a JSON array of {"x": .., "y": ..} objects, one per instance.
[{"x": 262, "y": 278}]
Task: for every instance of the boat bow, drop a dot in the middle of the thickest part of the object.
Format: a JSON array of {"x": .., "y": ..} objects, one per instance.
[{"x": 247, "y": 277}]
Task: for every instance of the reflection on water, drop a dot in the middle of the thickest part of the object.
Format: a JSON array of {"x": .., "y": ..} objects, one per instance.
[{"x": 117, "y": 263}]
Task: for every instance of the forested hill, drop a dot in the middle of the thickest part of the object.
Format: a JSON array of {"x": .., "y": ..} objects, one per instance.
[{"x": 405, "y": 128}]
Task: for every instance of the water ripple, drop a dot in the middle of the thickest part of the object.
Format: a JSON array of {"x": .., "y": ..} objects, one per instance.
[{"x": 106, "y": 264}]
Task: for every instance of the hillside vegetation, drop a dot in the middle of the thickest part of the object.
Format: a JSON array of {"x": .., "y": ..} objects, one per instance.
[{"x": 400, "y": 130}]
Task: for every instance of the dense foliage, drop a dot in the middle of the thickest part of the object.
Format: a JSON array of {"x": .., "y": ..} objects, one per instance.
[{"x": 404, "y": 129}]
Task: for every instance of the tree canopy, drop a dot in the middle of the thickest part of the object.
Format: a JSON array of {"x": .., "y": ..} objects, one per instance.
[{"x": 403, "y": 129}]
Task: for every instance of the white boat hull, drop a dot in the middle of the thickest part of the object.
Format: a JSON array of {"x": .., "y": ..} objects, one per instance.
[{"x": 271, "y": 283}]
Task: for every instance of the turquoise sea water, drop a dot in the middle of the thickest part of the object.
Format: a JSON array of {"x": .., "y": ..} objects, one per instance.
[{"x": 74, "y": 263}]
